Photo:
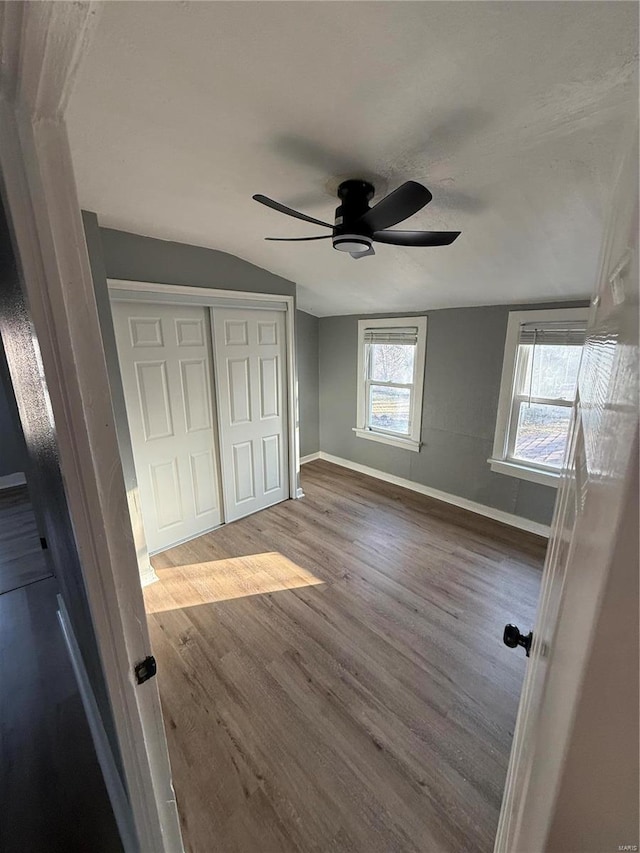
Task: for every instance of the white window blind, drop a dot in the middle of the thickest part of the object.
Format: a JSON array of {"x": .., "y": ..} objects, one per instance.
[
  {"x": 552, "y": 334},
  {"x": 408, "y": 336}
]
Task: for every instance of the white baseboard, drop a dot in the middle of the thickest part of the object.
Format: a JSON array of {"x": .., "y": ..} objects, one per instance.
[
  {"x": 310, "y": 458},
  {"x": 454, "y": 500},
  {"x": 147, "y": 575},
  {"x": 113, "y": 782},
  {"x": 11, "y": 480}
]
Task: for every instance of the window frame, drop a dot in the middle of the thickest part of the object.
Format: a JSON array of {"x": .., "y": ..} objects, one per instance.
[
  {"x": 502, "y": 461},
  {"x": 362, "y": 430}
]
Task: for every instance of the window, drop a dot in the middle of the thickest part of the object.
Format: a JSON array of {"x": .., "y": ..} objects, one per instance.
[
  {"x": 391, "y": 355},
  {"x": 539, "y": 379}
]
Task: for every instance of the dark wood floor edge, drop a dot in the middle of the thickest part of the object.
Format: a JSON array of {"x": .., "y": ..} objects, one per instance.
[
  {"x": 20, "y": 489},
  {"x": 469, "y": 519},
  {"x": 28, "y": 583}
]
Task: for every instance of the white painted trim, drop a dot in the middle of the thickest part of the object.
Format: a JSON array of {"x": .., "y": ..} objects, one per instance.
[
  {"x": 148, "y": 576},
  {"x": 116, "y": 284},
  {"x": 524, "y": 472},
  {"x": 361, "y": 430},
  {"x": 112, "y": 780},
  {"x": 208, "y": 293},
  {"x": 9, "y": 481},
  {"x": 46, "y": 47},
  {"x": 311, "y": 457},
  {"x": 394, "y": 441},
  {"x": 293, "y": 423},
  {"x": 445, "y": 497},
  {"x": 516, "y": 318}
]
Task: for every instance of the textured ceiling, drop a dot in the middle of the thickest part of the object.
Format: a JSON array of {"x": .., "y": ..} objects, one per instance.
[{"x": 509, "y": 112}]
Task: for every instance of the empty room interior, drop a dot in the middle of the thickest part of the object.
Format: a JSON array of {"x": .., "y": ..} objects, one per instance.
[{"x": 342, "y": 257}]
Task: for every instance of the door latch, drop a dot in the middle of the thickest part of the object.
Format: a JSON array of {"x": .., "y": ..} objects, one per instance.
[
  {"x": 146, "y": 669},
  {"x": 513, "y": 638}
]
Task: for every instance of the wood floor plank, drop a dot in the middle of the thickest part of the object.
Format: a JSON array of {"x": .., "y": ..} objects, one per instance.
[
  {"x": 22, "y": 560},
  {"x": 52, "y": 794},
  {"x": 333, "y": 676}
]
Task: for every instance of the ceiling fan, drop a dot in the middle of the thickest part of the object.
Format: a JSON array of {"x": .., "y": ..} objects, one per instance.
[{"x": 357, "y": 225}]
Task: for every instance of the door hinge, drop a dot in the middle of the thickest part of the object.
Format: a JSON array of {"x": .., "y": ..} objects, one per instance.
[{"x": 146, "y": 669}]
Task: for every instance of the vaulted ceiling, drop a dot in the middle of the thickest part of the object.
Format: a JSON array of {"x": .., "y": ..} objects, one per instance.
[{"x": 510, "y": 112}]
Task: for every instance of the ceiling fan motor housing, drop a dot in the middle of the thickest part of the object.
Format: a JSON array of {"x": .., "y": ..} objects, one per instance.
[{"x": 347, "y": 236}]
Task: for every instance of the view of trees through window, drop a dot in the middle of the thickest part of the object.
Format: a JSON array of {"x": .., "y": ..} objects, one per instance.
[
  {"x": 553, "y": 371},
  {"x": 541, "y": 427},
  {"x": 390, "y": 405}
]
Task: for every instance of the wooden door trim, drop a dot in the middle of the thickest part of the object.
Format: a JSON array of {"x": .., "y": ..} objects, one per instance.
[{"x": 43, "y": 45}]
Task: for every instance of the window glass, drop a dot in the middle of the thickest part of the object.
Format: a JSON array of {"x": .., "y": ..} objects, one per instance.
[
  {"x": 552, "y": 371},
  {"x": 542, "y": 433},
  {"x": 389, "y": 408},
  {"x": 391, "y": 363}
]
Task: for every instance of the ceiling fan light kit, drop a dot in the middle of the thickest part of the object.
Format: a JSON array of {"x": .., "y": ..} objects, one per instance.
[
  {"x": 351, "y": 243},
  {"x": 357, "y": 226}
]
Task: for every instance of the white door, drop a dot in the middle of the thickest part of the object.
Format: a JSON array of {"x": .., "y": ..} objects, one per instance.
[
  {"x": 593, "y": 495},
  {"x": 165, "y": 361},
  {"x": 250, "y": 358}
]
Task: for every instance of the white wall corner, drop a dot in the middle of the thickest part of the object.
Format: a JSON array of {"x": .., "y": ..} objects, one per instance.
[{"x": 311, "y": 457}]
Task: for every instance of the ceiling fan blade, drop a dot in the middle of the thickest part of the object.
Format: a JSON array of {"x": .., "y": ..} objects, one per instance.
[
  {"x": 403, "y": 202},
  {"x": 281, "y": 208},
  {"x": 416, "y": 238},
  {"x": 297, "y": 239},
  {"x": 356, "y": 255}
]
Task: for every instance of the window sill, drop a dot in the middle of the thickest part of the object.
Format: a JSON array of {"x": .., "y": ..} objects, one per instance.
[
  {"x": 525, "y": 472},
  {"x": 404, "y": 443}
]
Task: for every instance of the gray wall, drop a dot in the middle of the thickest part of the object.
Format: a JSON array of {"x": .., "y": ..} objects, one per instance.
[
  {"x": 307, "y": 340},
  {"x": 136, "y": 258},
  {"x": 465, "y": 349}
]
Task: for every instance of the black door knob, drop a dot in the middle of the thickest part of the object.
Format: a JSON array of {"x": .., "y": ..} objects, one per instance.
[{"x": 513, "y": 638}]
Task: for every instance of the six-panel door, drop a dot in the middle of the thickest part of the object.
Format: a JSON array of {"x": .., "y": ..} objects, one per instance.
[
  {"x": 250, "y": 364},
  {"x": 166, "y": 365}
]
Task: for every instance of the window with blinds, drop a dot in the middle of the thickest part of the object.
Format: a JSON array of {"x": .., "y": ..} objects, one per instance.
[
  {"x": 392, "y": 361},
  {"x": 542, "y": 359}
]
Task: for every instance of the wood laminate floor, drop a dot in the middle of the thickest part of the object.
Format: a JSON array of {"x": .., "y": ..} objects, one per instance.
[
  {"x": 333, "y": 676},
  {"x": 22, "y": 560},
  {"x": 52, "y": 794}
]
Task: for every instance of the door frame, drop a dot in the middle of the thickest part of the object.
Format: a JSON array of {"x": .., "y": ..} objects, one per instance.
[
  {"x": 209, "y": 297},
  {"x": 43, "y": 45}
]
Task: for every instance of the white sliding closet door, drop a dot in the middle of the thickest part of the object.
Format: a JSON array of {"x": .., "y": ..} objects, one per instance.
[
  {"x": 250, "y": 358},
  {"x": 165, "y": 361}
]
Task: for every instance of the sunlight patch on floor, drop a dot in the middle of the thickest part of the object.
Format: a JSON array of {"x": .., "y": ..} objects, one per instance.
[{"x": 222, "y": 580}]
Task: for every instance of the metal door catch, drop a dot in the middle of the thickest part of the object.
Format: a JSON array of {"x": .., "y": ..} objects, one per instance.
[{"x": 146, "y": 669}]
